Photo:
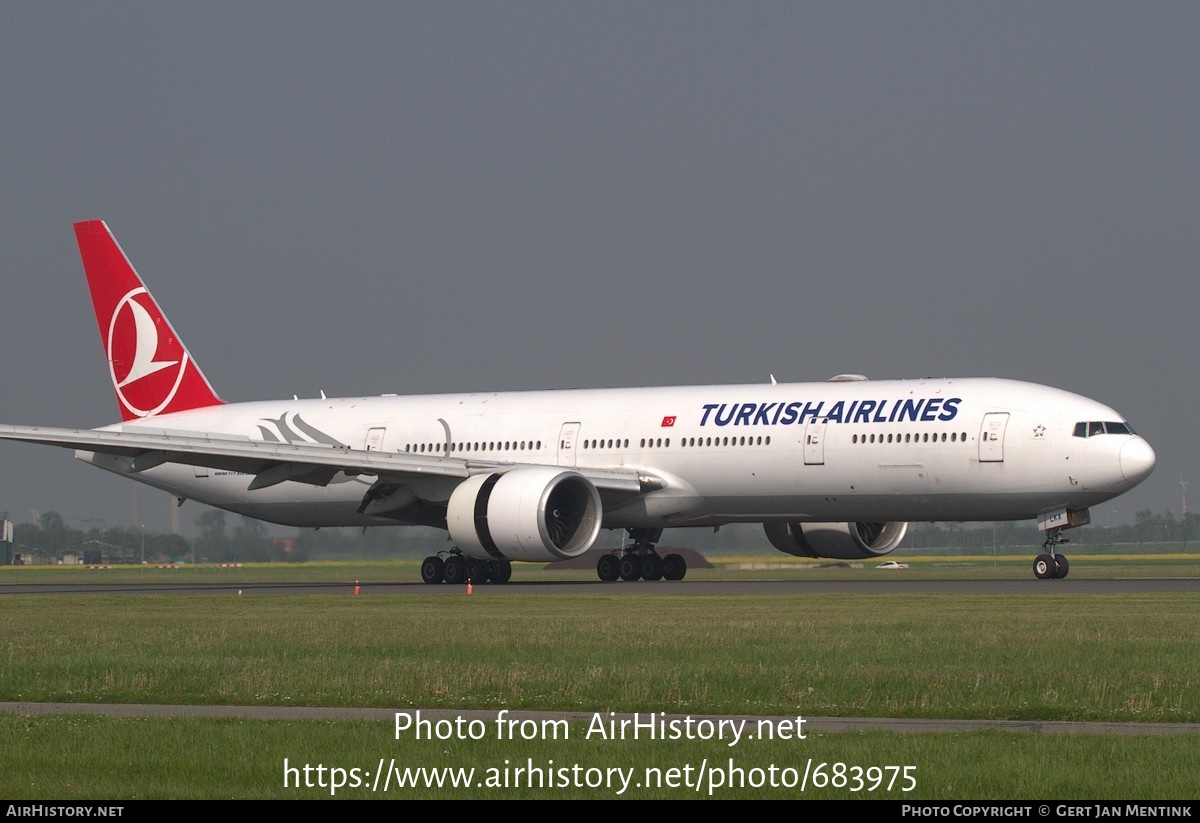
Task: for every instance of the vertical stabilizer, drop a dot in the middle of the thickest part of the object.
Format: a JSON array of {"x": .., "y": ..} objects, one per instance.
[{"x": 151, "y": 370}]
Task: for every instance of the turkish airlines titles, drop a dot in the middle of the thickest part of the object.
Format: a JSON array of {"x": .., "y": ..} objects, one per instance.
[{"x": 923, "y": 410}]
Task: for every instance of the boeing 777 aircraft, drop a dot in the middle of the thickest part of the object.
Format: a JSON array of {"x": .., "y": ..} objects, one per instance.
[{"x": 834, "y": 469}]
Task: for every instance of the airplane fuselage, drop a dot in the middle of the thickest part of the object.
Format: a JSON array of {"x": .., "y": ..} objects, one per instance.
[{"x": 930, "y": 449}]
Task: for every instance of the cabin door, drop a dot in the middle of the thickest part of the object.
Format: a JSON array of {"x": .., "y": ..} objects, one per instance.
[
  {"x": 991, "y": 437},
  {"x": 568, "y": 438}
]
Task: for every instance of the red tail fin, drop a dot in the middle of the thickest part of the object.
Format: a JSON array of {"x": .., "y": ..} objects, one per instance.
[{"x": 152, "y": 372}]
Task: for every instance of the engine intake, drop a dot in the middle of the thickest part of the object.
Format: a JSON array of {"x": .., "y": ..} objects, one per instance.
[
  {"x": 539, "y": 513},
  {"x": 840, "y": 541}
]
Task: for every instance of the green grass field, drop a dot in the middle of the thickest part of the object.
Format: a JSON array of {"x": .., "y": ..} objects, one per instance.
[
  {"x": 1053, "y": 657},
  {"x": 104, "y": 758}
]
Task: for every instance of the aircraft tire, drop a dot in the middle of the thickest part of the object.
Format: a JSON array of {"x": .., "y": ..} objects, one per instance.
[
  {"x": 674, "y": 567},
  {"x": 1044, "y": 567},
  {"x": 432, "y": 570},
  {"x": 477, "y": 570},
  {"x": 1061, "y": 566},
  {"x": 631, "y": 569},
  {"x": 499, "y": 571},
  {"x": 652, "y": 567},
  {"x": 455, "y": 570},
  {"x": 608, "y": 568}
]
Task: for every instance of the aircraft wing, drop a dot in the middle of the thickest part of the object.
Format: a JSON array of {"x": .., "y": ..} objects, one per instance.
[{"x": 271, "y": 463}]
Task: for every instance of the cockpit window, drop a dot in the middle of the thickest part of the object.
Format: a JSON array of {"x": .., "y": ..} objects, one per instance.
[{"x": 1094, "y": 428}]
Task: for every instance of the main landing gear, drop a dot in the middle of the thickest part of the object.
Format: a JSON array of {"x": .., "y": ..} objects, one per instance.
[
  {"x": 1050, "y": 565},
  {"x": 639, "y": 560},
  {"x": 455, "y": 568}
]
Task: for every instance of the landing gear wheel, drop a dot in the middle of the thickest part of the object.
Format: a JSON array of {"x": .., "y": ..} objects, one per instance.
[
  {"x": 1061, "y": 566},
  {"x": 630, "y": 568},
  {"x": 432, "y": 569},
  {"x": 455, "y": 569},
  {"x": 499, "y": 571},
  {"x": 1052, "y": 565},
  {"x": 608, "y": 568},
  {"x": 477, "y": 570},
  {"x": 674, "y": 567},
  {"x": 1044, "y": 567},
  {"x": 652, "y": 567}
]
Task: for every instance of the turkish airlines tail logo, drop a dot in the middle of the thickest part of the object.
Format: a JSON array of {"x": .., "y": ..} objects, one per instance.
[{"x": 151, "y": 370}]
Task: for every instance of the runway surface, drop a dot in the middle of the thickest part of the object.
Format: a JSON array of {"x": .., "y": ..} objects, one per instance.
[{"x": 891, "y": 586}]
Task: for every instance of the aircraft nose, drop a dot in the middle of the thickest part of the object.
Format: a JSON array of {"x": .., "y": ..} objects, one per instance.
[{"x": 1137, "y": 460}]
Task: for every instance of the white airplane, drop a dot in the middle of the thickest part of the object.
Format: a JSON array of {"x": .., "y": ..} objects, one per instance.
[{"x": 834, "y": 469}]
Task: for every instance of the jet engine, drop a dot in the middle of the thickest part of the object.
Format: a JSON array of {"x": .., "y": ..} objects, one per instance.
[
  {"x": 842, "y": 541},
  {"x": 539, "y": 513}
]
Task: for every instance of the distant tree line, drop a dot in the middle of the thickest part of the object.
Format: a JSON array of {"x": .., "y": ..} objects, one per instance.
[
  {"x": 248, "y": 541},
  {"x": 50, "y": 539},
  {"x": 1148, "y": 528}
]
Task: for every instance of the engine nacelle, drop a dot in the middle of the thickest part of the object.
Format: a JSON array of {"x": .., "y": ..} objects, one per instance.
[
  {"x": 539, "y": 513},
  {"x": 841, "y": 541}
]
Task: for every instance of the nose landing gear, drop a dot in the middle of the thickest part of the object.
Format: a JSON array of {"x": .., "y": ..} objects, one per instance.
[{"x": 1051, "y": 565}]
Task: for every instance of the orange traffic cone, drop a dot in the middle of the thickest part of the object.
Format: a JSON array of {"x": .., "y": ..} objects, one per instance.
[
  {"x": 356, "y": 588},
  {"x": 470, "y": 588}
]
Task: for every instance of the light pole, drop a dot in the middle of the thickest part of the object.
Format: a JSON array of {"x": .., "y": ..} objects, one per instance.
[{"x": 143, "y": 544}]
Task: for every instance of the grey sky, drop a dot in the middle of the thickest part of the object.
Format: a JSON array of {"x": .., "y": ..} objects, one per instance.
[{"x": 422, "y": 197}]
